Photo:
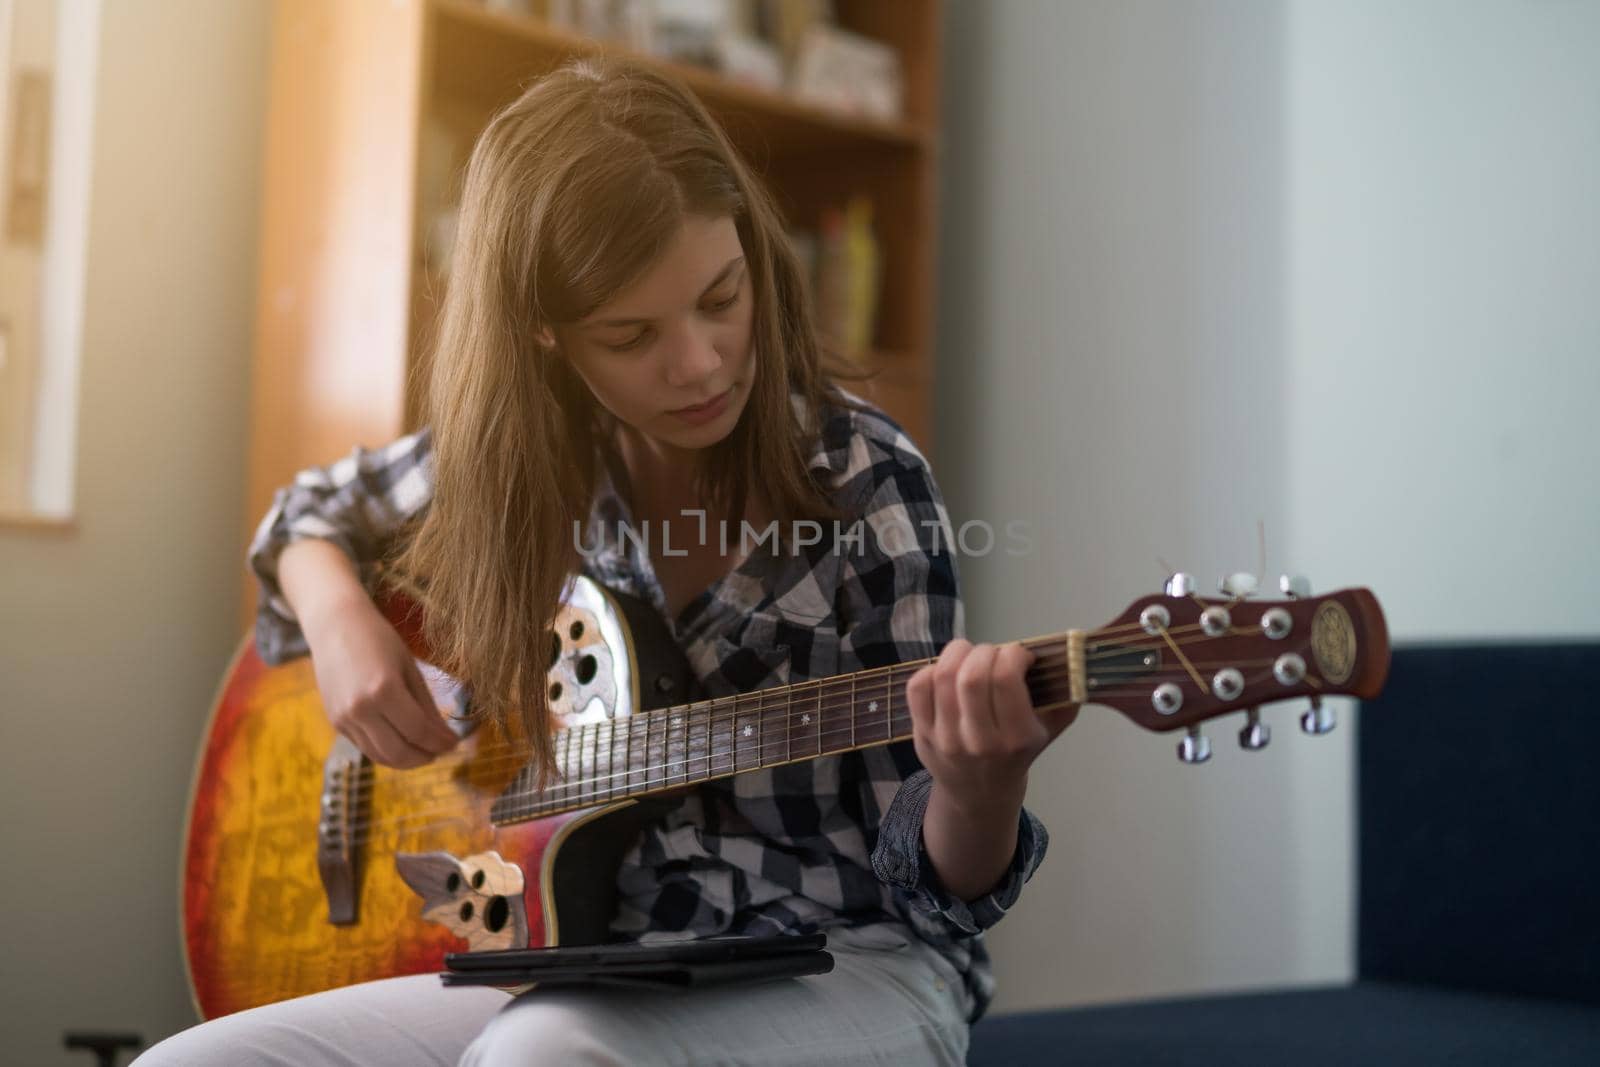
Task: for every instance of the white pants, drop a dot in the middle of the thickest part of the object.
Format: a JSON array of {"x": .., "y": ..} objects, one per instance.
[{"x": 887, "y": 1001}]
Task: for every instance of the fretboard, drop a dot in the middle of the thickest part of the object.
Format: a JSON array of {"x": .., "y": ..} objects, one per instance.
[{"x": 687, "y": 744}]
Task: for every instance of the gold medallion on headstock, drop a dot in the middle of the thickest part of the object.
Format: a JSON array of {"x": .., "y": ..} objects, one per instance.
[{"x": 1333, "y": 642}]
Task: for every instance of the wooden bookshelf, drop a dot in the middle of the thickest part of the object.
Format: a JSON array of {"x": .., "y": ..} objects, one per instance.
[
  {"x": 486, "y": 54},
  {"x": 373, "y": 108}
]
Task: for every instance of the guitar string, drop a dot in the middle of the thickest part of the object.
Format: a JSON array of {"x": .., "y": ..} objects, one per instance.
[
  {"x": 596, "y": 744},
  {"x": 816, "y": 690},
  {"x": 537, "y": 805},
  {"x": 1040, "y": 646},
  {"x": 733, "y": 757},
  {"x": 575, "y": 793},
  {"x": 369, "y": 829},
  {"x": 1054, "y": 672},
  {"x": 420, "y": 821},
  {"x": 709, "y": 715}
]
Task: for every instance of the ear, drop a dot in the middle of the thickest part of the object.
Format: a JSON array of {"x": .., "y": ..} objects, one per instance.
[{"x": 546, "y": 337}]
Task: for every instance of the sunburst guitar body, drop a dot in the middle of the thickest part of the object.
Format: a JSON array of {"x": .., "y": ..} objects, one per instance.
[{"x": 308, "y": 868}]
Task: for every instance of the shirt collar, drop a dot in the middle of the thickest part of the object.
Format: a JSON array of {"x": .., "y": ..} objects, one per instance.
[{"x": 831, "y": 452}]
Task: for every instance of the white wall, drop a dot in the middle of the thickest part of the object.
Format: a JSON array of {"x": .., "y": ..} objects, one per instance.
[
  {"x": 1444, "y": 198},
  {"x": 113, "y": 635},
  {"x": 1331, "y": 266}
]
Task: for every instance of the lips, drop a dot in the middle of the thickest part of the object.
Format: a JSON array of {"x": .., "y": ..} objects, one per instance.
[
  {"x": 703, "y": 408},
  {"x": 698, "y": 413}
]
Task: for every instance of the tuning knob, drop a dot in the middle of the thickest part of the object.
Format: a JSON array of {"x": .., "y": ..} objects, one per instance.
[
  {"x": 1318, "y": 720},
  {"x": 1238, "y": 586},
  {"x": 1255, "y": 733},
  {"x": 1194, "y": 748},
  {"x": 1181, "y": 584},
  {"x": 1294, "y": 586}
]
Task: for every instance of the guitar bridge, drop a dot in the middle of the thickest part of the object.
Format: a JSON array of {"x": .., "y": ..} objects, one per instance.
[{"x": 342, "y": 775}]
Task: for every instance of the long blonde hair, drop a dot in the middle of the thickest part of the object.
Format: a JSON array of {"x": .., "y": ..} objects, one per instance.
[{"x": 571, "y": 193}]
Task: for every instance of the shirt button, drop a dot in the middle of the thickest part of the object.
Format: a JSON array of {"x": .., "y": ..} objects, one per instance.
[{"x": 938, "y": 983}]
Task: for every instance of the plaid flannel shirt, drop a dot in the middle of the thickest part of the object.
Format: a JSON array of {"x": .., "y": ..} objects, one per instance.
[{"x": 805, "y": 846}]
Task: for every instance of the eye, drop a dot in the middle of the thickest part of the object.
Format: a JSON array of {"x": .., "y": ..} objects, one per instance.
[
  {"x": 629, "y": 345},
  {"x": 724, "y": 305}
]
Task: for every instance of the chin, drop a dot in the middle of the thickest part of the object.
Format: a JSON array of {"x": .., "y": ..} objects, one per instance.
[{"x": 701, "y": 437}]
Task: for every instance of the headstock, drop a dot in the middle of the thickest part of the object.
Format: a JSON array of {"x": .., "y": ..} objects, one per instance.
[{"x": 1176, "y": 659}]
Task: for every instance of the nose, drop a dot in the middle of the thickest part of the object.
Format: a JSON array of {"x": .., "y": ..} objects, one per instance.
[{"x": 691, "y": 356}]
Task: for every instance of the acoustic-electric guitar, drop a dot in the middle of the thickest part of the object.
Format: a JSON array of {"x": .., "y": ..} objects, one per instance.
[{"x": 307, "y": 868}]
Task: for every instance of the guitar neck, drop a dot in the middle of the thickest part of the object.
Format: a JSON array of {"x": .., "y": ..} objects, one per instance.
[{"x": 672, "y": 747}]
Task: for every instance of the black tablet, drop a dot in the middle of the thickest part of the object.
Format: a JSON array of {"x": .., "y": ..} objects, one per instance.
[
  {"x": 629, "y": 953},
  {"x": 653, "y": 975}
]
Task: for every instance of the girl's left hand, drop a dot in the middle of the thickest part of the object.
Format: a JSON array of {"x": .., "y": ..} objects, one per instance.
[{"x": 973, "y": 726}]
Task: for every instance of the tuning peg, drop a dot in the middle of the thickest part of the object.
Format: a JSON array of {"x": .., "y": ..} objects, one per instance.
[
  {"x": 1238, "y": 585},
  {"x": 1318, "y": 720},
  {"x": 1255, "y": 733},
  {"x": 1294, "y": 586},
  {"x": 1181, "y": 584},
  {"x": 1194, "y": 748}
]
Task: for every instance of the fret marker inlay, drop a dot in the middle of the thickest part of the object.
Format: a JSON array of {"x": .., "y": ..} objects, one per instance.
[{"x": 872, "y": 707}]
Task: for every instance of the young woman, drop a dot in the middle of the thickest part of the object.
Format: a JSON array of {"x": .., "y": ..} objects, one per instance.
[{"x": 626, "y": 339}]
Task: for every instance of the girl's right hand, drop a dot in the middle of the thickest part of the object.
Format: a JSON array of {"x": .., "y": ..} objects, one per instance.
[{"x": 371, "y": 688}]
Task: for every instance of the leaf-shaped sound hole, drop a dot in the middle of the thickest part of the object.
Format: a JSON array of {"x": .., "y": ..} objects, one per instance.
[
  {"x": 581, "y": 672},
  {"x": 478, "y": 898}
]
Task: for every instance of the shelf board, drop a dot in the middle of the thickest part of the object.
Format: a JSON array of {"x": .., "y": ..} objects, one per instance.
[{"x": 507, "y": 50}]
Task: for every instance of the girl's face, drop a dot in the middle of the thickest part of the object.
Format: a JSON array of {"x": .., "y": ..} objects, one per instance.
[{"x": 670, "y": 355}]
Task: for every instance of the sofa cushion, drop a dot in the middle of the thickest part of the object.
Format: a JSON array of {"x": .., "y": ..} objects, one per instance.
[
  {"x": 1370, "y": 1022},
  {"x": 1478, "y": 812}
]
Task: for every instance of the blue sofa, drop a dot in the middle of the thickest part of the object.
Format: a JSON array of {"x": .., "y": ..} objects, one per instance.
[{"x": 1479, "y": 898}]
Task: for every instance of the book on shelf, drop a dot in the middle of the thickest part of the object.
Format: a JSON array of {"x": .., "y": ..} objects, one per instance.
[
  {"x": 795, "y": 47},
  {"x": 849, "y": 73},
  {"x": 845, "y": 262}
]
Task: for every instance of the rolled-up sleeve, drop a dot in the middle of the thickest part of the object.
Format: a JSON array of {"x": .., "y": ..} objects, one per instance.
[
  {"x": 900, "y": 601},
  {"x": 358, "y": 503},
  {"x": 901, "y": 861}
]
